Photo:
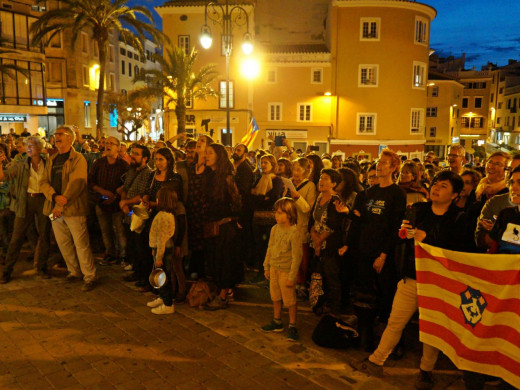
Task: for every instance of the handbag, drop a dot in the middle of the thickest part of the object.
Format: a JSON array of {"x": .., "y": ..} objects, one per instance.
[{"x": 199, "y": 294}]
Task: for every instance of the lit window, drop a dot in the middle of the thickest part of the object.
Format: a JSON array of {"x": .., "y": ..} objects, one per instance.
[
  {"x": 370, "y": 29},
  {"x": 416, "y": 121},
  {"x": 223, "y": 96},
  {"x": 271, "y": 76},
  {"x": 316, "y": 76},
  {"x": 368, "y": 75},
  {"x": 304, "y": 112},
  {"x": 366, "y": 124},
  {"x": 419, "y": 74},
  {"x": 464, "y": 121},
  {"x": 274, "y": 111}
]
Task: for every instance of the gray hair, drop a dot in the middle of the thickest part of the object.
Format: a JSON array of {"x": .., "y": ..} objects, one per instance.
[
  {"x": 36, "y": 140},
  {"x": 69, "y": 130}
]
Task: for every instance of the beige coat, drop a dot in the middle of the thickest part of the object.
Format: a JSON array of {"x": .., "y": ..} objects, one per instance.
[{"x": 74, "y": 186}]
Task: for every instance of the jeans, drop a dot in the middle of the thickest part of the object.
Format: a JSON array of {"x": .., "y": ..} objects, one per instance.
[
  {"x": 73, "y": 240},
  {"x": 34, "y": 210},
  {"x": 166, "y": 291},
  {"x": 112, "y": 231},
  {"x": 403, "y": 308}
]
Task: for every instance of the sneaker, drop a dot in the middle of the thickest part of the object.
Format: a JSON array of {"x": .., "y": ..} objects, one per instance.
[
  {"x": 131, "y": 277},
  {"x": 88, "y": 286},
  {"x": 5, "y": 278},
  {"x": 367, "y": 367},
  {"x": 292, "y": 334},
  {"x": 216, "y": 304},
  {"x": 273, "y": 326},
  {"x": 73, "y": 278},
  {"x": 155, "y": 303},
  {"x": 424, "y": 380},
  {"x": 163, "y": 309},
  {"x": 108, "y": 260}
]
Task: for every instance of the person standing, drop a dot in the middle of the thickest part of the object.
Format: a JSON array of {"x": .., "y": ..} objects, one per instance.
[
  {"x": 105, "y": 178},
  {"x": 64, "y": 184},
  {"x": 456, "y": 158},
  {"x": 27, "y": 203}
]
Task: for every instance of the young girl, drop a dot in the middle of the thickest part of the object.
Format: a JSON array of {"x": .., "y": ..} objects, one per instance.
[
  {"x": 282, "y": 261},
  {"x": 166, "y": 247}
]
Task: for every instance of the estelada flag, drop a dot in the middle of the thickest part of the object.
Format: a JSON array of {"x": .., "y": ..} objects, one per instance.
[
  {"x": 252, "y": 132},
  {"x": 469, "y": 308}
]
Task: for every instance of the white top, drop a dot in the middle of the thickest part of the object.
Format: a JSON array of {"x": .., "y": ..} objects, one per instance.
[
  {"x": 34, "y": 178},
  {"x": 161, "y": 232}
]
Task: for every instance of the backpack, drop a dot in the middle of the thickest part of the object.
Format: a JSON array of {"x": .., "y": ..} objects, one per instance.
[
  {"x": 199, "y": 294},
  {"x": 332, "y": 332}
]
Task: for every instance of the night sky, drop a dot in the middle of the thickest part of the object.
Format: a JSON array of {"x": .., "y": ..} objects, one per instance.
[{"x": 486, "y": 30}]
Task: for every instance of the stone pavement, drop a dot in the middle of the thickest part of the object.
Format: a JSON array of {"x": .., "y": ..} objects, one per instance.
[{"x": 54, "y": 336}]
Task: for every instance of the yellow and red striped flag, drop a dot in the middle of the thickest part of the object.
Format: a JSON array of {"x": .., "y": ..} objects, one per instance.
[
  {"x": 469, "y": 308},
  {"x": 252, "y": 132}
]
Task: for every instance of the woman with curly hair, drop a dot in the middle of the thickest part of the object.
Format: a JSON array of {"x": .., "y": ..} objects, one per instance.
[{"x": 222, "y": 201}]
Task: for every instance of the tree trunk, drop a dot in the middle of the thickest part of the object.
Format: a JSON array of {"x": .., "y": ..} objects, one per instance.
[
  {"x": 180, "y": 112},
  {"x": 102, "y": 45}
]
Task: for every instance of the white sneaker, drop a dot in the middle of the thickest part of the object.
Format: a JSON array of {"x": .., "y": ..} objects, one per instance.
[
  {"x": 156, "y": 302},
  {"x": 163, "y": 309}
]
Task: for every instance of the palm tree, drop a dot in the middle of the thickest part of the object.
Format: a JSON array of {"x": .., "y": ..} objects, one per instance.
[
  {"x": 100, "y": 18},
  {"x": 177, "y": 81}
]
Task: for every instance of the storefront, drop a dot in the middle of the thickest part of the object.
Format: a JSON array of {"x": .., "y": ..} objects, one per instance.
[{"x": 55, "y": 116}]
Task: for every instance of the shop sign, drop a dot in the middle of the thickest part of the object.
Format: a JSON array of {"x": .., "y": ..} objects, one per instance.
[
  {"x": 13, "y": 118},
  {"x": 54, "y": 102},
  {"x": 289, "y": 134}
]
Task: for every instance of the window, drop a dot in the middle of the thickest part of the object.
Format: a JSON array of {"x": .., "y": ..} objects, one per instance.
[
  {"x": 54, "y": 72},
  {"x": 478, "y": 102},
  {"x": 509, "y": 104},
  {"x": 435, "y": 91},
  {"x": 136, "y": 56},
  {"x": 498, "y": 121},
  {"x": 475, "y": 85},
  {"x": 84, "y": 43},
  {"x": 111, "y": 54},
  {"x": 464, "y": 121},
  {"x": 419, "y": 74},
  {"x": 465, "y": 102},
  {"x": 369, "y": 29},
  {"x": 129, "y": 54},
  {"x": 86, "y": 113},
  {"x": 85, "y": 73},
  {"x": 129, "y": 69},
  {"x": 416, "y": 121},
  {"x": 112, "y": 82},
  {"x": 501, "y": 91},
  {"x": 274, "y": 111},
  {"x": 123, "y": 67},
  {"x": 189, "y": 99},
  {"x": 368, "y": 75},
  {"x": 223, "y": 95},
  {"x": 366, "y": 124},
  {"x": 477, "y": 122},
  {"x": 431, "y": 111},
  {"x": 304, "y": 112},
  {"x": 316, "y": 75},
  {"x": 421, "y": 30},
  {"x": 500, "y": 105},
  {"x": 433, "y": 132},
  {"x": 122, "y": 51},
  {"x": 184, "y": 43},
  {"x": 136, "y": 71},
  {"x": 492, "y": 97},
  {"x": 271, "y": 76},
  {"x": 96, "y": 50},
  {"x": 55, "y": 42}
]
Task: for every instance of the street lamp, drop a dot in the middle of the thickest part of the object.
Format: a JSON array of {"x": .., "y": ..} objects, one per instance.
[{"x": 227, "y": 18}]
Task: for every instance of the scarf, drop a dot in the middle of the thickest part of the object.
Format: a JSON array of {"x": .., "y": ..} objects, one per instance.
[
  {"x": 264, "y": 185},
  {"x": 488, "y": 189}
]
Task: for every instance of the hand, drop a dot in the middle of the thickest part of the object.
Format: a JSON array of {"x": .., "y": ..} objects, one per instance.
[
  {"x": 378, "y": 264},
  {"x": 486, "y": 224},
  {"x": 341, "y": 207},
  {"x": 410, "y": 231},
  {"x": 357, "y": 213},
  {"x": 343, "y": 250},
  {"x": 267, "y": 274},
  {"x": 158, "y": 263},
  {"x": 289, "y": 283},
  {"x": 56, "y": 212},
  {"x": 420, "y": 235},
  {"x": 294, "y": 194},
  {"x": 60, "y": 200}
]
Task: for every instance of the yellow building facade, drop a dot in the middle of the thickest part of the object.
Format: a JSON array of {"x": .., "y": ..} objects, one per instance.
[{"x": 355, "y": 84}]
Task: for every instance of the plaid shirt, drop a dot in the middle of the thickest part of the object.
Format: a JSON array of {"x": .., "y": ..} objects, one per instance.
[
  {"x": 107, "y": 176},
  {"x": 136, "y": 181}
]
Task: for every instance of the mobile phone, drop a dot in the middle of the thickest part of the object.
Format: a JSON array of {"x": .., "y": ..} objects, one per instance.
[
  {"x": 410, "y": 215},
  {"x": 278, "y": 140}
]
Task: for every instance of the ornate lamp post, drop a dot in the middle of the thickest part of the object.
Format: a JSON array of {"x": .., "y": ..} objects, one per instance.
[{"x": 227, "y": 17}]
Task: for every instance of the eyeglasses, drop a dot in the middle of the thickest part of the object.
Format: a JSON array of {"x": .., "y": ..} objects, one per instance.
[{"x": 495, "y": 164}]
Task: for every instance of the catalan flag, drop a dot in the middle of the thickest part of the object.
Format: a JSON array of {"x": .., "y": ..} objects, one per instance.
[
  {"x": 252, "y": 132},
  {"x": 469, "y": 308}
]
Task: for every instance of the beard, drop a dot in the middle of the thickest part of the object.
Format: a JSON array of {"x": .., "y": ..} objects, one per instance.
[{"x": 236, "y": 157}]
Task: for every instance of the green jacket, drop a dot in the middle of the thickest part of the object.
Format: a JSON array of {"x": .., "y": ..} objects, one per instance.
[
  {"x": 74, "y": 186},
  {"x": 18, "y": 174}
]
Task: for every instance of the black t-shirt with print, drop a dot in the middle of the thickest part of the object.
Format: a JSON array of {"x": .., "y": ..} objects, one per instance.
[{"x": 506, "y": 230}]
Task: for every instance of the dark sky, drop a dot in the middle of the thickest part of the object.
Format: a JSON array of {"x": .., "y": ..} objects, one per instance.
[{"x": 486, "y": 30}]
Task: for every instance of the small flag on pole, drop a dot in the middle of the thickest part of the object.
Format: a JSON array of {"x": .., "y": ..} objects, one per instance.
[
  {"x": 252, "y": 132},
  {"x": 469, "y": 308}
]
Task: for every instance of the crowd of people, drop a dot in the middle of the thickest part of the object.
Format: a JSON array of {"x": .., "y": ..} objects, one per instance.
[{"x": 203, "y": 211}]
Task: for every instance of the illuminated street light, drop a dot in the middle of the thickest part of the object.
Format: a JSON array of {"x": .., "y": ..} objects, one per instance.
[{"x": 250, "y": 68}]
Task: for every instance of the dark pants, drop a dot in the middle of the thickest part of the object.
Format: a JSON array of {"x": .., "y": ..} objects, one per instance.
[
  {"x": 197, "y": 263},
  {"x": 331, "y": 279},
  {"x": 261, "y": 235},
  {"x": 6, "y": 227},
  {"x": 34, "y": 210},
  {"x": 166, "y": 291},
  {"x": 139, "y": 252},
  {"x": 178, "y": 277}
]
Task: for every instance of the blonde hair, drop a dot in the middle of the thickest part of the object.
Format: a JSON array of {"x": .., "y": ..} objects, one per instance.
[
  {"x": 272, "y": 161},
  {"x": 288, "y": 206}
]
